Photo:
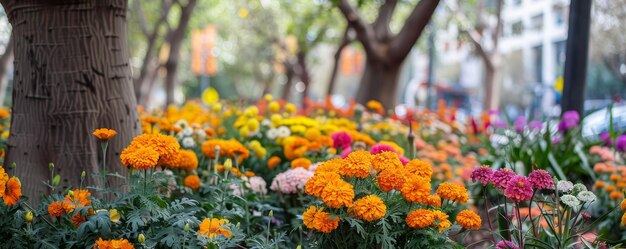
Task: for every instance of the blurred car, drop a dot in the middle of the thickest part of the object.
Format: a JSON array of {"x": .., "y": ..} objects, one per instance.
[{"x": 597, "y": 122}]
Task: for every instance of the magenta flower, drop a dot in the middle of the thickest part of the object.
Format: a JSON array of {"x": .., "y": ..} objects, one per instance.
[
  {"x": 378, "y": 148},
  {"x": 519, "y": 123},
  {"x": 519, "y": 189},
  {"x": 482, "y": 174},
  {"x": 404, "y": 160},
  {"x": 501, "y": 177},
  {"x": 505, "y": 244},
  {"x": 620, "y": 143},
  {"x": 346, "y": 151},
  {"x": 341, "y": 139},
  {"x": 535, "y": 125},
  {"x": 541, "y": 179},
  {"x": 569, "y": 121},
  {"x": 605, "y": 137}
]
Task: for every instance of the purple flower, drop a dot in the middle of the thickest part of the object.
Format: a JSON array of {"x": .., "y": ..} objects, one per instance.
[
  {"x": 540, "y": 179},
  {"x": 505, "y": 244},
  {"x": 482, "y": 174},
  {"x": 606, "y": 138},
  {"x": 519, "y": 123},
  {"x": 499, "y": 124},
  {"x": 341, "y": 139},
  {"x": 378, "y": 148},
  {"x": 569, "y": 121},
  {"x": 535, "y": 125},
  {"x": 557, "y": 139},
  {"x": 501, "y": 177},
  {"x": 519, "y": 189},
  {"x": 620, "y": 143}
]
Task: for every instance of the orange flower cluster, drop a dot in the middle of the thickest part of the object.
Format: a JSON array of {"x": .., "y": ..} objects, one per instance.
[
  {"x": 468, "y": 220},
  {"x": 273, "y": 162},
  {"x": 453, "y": 191},
  {"x": 611, "y": 179},
  {"x": 10, "y": 188},
  {"x": 104, "y": 134},
  {"x": 184, "y": 159},
  {"x": 386, "y": 160},
  {"x": 623, "y": 208},
  {"x": 76, "y": 198},
  {"x": 368, "y": 208},
  {"x": 301, "y": 162},
  {"x": 214, "y": 227},
  {"x": 316, "y": 219},
  {"x": 113, "y": 244},
  {"x": 357, "y": 164},
  {"x": 448, "y": 161},
  {"x": 231, "y": 148},
  {"x": 295, "y": 147},
  {"x": 192, "y": 182},
  {"x": 420, "y": 218},
  {"x": 375, "y": 106},
  {"x": 149, "y": 150}
]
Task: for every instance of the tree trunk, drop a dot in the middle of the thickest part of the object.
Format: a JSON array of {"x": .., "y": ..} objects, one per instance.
[
  {"x": 304, "y": 75},
  {"x": 492, "y": 90},
  {"x": 5, "y": 59},
  {"x": 379, "y": 82},
  {"x": 289, "y": 81},
  {"x": 72, "y": 75},
  {"x": 335, "y": 70}
]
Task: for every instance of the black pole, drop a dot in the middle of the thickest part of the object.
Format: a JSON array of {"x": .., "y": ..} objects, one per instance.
[{"x": 576, "y": 54}]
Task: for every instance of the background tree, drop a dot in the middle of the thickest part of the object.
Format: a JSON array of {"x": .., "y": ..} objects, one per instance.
[
  {"x": 384, "y": 50},
  {"x": 607, "y": 46},
  {"x": 72, "y": 75}
]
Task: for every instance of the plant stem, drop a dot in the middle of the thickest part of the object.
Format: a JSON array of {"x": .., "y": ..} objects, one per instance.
[
  {"x": 145, "y": 181},
  {"x": 532, "y": 223},
  {"x": 105, "y": 145},
  {"x": 493, "y": 238},
  {"x": 519, "y": 224}
]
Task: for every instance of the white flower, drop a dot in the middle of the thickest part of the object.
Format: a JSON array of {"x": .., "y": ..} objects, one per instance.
[
  {"x": 586, "y": 196},
  {"x": 188, "y": 142},
  {"x": 181, "y": 123},
  {"x": 187, "y": 131},
  {"x": 283, "y": 132},
  {"x": 271, "y": 134},
  {"x": 570, "y": 200},
  {"x": 564, "y": 186},
  {"x": 201, "y": 134},
  {"x": 266, "y": 122},
  {"x": 578, "y": 187}
]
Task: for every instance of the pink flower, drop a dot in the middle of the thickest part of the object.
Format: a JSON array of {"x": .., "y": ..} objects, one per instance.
[
  {"x": 519, "y": 189},
  {"x": 291, "y": 181},
  {"x": 341, "y": 139},
  {"x": 258, "y": 185},
  {"x": 541, "y": 179},
  {"x": 346, "y": 152},
  {"x": 378, "y": 148},
  {"x": 482, "y": 174},
  {"x": 505, "y": 244},
  {"x": 404, "y": 160},
  {"x": 501, "y": 177}
]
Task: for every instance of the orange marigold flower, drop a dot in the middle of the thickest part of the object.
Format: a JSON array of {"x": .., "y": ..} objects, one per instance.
[
  {"x": 357, "y": 164},
  {"x": 420, "y": 168},
  {"x": 623, "y": 205},
  {"x": 140, "y": 158},
  {"x": 296, "y": 147},
  {"x": 78, "y": 219},
  {"x": 213, "y": 227},
  {"x": 78, "y": 198},
  {"x": 610, "y": 188},
  {"x": 55, "y": 209},
  {"x": 192, "y": 182},
  {"x": 331, "y": 165},
  {"x": 316, "y": 184},
  {"x": 434, "y": 200},
  {"x": 322, "y": 221},
  {"x": 468, "y": 220},
  {"x": 249, "y": 173},
  {"x": 4, "y": 177},
  {"x": 4, "y": 113},
  {"x": 187, "y": 160},
  {"x": 391, "y": 179},
  {"x": 441, "y": 219},
  {"x": 453, "y": 191},
  {"x": 165, "y": 146},
  {"x": 369, "y": 208},
  {"x": 420, "y": 218},
  {"x": 208, "y": 148},
  {"x": 624, "y": 219},
  {"x": 386, "y": 160},
  {"x": 416, "y": 189},
  {"x": 236, "y": 172},
  {"x": 337, "y": 194},
  {"x": 273, "y": 162},
  {"x": 301, "y": 162},
  {"x": 308, "y": 216},
  {"x": 13, "y": 191},
  {"x": 616, "y": 195},
  {"x": 104, "y": 134},
  {"x": 614, "y": 177},
  {"x": 113, "y": 244}
]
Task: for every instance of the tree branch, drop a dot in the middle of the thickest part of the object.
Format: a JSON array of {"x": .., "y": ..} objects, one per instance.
[
  {"x": 143, "y": 22},
  {"x": 364, "y": 31},
  {"x": 381, "y": 24},
  {"x": 476, "y": 39},
  {"x": 496, "y": 33},
  {"x": 403, "y": 42}
]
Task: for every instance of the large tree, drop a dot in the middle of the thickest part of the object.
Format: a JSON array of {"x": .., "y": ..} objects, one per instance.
[
  {"x": 384, "y": 50},
  {"x": 72, "y": 75}
]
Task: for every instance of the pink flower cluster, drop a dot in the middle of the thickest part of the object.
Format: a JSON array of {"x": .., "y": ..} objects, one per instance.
[
  {"x": 341, "y": 139},
  {"x": 291, "y": 181},
  {"x": 604, "y": 153},
  {"x": 515, "y": 187}
]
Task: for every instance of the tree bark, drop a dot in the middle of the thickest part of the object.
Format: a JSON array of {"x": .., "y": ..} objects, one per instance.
[
  {"x": 175, "y": 40},
  {"x": 345, "y": 41},
  {"x": 5, "y": 59},
  {"x": 289, "y": 82},
  {"x": 492, "y": 90},
  {"x": 304, "y": 74},
  {"x": 379, "y": 82},
  {"x": 72, "y": 75}
]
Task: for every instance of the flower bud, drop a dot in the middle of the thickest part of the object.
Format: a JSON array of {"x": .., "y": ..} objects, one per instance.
[
  {"x": 13, "y": 165},
  {"x": 83, "y": 174},
  {"x": 51, "y": 166},
  {"x": 271, "y": 214},
  {"x": 187, "y": 227},
  {"x": 70, "y": 194},
  {"x": 114, "y": 215},
  {"x": 29, "y": 216},
  {"x": 141, "y": 238},
  {"x": 228, "y": 164},
  {"x": 56, "y": 180},
  {"x": 299, "y": 247}
]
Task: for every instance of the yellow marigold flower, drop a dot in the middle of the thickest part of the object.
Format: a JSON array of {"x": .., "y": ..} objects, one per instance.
[
  {"x": 213, "y": 227},
  {"x": 420, "y": 168},
  {"x": 300, "y": 162},
  {"x": 295, "y": 147},
  {"x": 420, "y": 218},
  {"x": 13, "y": 191},
  {"x": 274, "y": 107},
  {"x": 616, "y": 195},
  {"x": 369, "y": 208},
  {"x": 104, "y": 134},
  {"x": 623, "y": 205},
  {"x": 468, "y": 220},
  {"x": 442, "y": 220},
  {"x": 312, "y": 134},
  {"x": 391, "y": 179},
  {"x": 140, "y": 158},
  {"x": 416, "y": 189},
  {"x": 375, "y": 106},
  {"x": 290, "y": 108},
  {"x": 114, "y": 215},
  {"x": 4, "y": 177},
  {"x": 316, "y": 219},
  {"x": 273, "y": 162},
  {"x": 453, "y": 191},
  {"x": 357, "y": 164},
  {"x": 385, "y": 160},
  {"x": 434, "y": 200},
  {"x": 331, "y": 165},
  {"x": 337, "y": 193},
  {"x": 55, "y": 209},
  {"x": 192, "y": 182}
]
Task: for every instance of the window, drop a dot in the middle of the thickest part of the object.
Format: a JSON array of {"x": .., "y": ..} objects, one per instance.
[
  {"x": 538, "y": 63},
  {"x": 517, "y": 28},
  {"x": 536, "y": 22},
  {"x": 559, "y": 14}
]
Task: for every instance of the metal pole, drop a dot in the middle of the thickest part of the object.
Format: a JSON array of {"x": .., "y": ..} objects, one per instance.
[{"x": 576, "y": 54}]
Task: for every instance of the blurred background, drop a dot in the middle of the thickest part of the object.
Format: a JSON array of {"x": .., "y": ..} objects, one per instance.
[{"x": 295, "y": 48}]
